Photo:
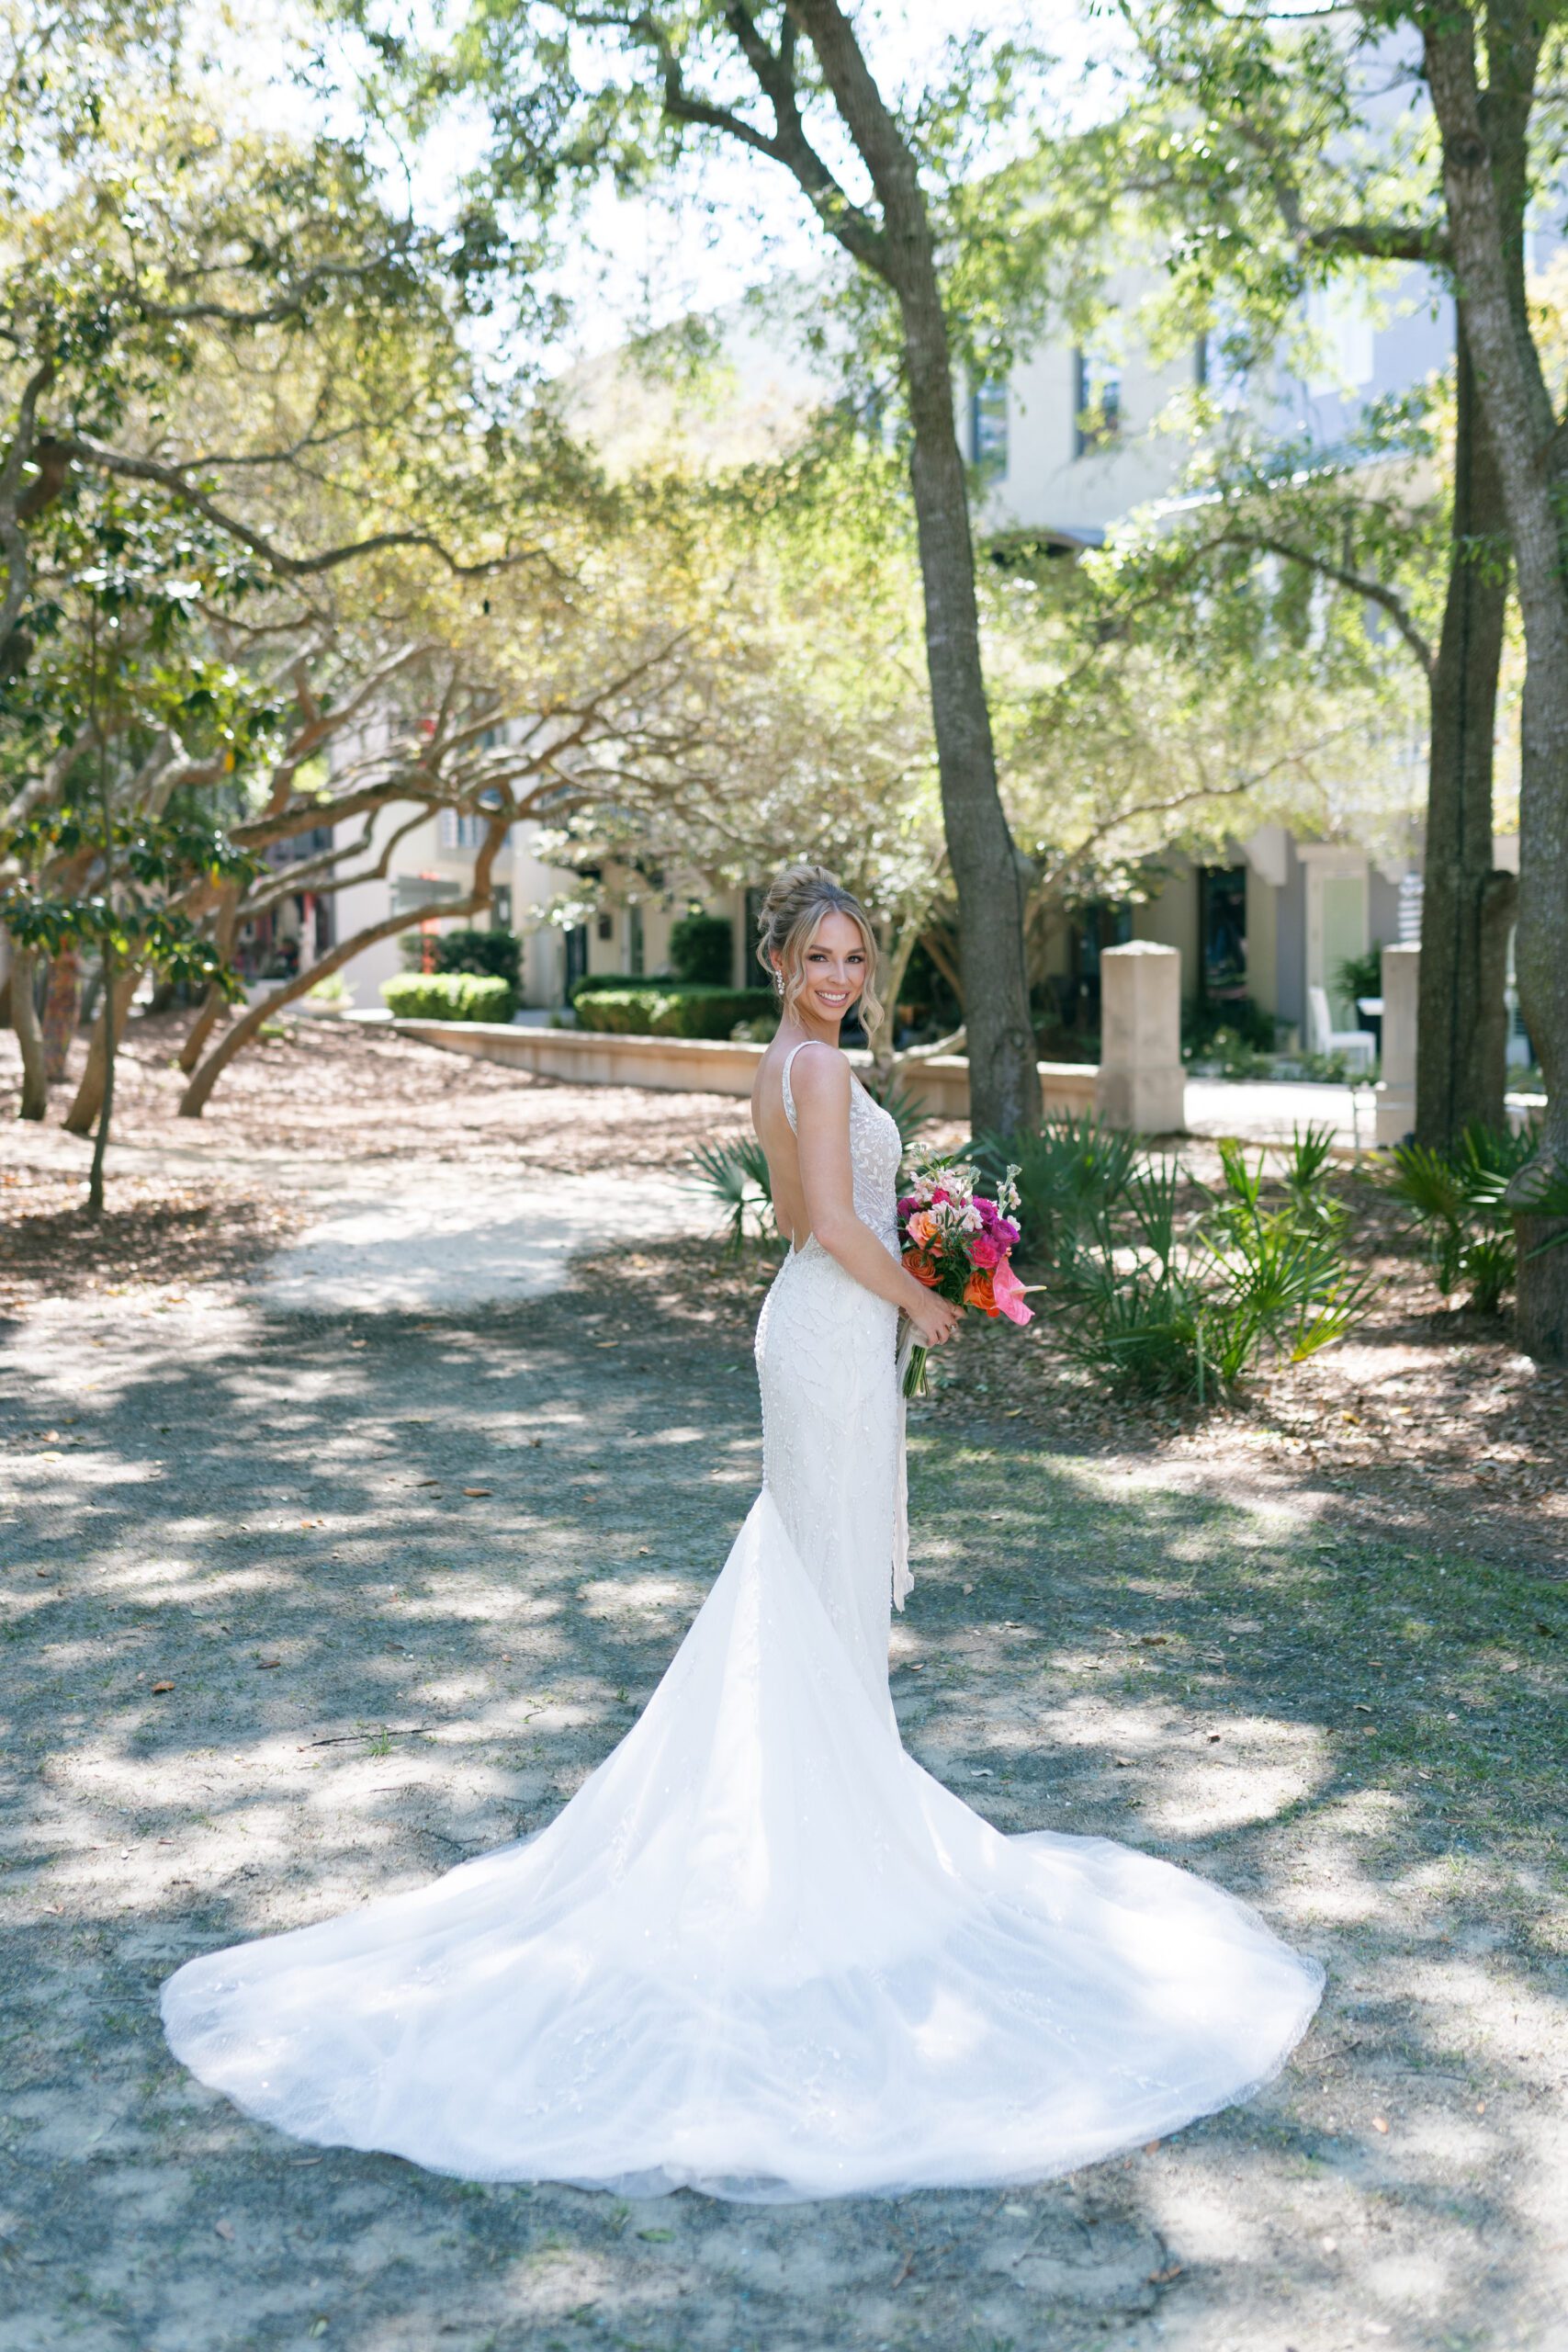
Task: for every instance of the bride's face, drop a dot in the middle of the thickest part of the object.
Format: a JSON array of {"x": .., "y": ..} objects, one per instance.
[{"x": 834, "y": 968}]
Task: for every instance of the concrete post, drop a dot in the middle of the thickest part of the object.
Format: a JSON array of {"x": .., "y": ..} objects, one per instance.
[
  {"x": 1142, "y": 1085},
  {"x": 1397, "y": 1089}
]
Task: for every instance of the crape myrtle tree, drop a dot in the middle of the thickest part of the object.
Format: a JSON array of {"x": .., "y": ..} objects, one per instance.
[
  {"x": 504, "y": 712},
  {"x": 1282, "y": 155},
  {"x": 583, "y": 89}
]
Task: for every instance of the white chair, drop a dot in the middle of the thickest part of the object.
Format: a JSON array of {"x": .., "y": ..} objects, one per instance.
[{"x": 1356, "y": 1045}]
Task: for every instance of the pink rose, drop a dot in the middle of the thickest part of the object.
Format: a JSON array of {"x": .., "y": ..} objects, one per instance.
[{"x": 985, "y": 1251}]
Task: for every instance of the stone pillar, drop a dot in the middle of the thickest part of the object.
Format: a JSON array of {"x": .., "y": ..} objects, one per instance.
[
  {"x": 1142, "y": 1085},
  {"x": 1397, "y": 1089}
]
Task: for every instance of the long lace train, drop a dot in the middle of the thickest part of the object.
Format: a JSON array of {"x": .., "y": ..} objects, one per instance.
[{"x": 762, "y": 1952}]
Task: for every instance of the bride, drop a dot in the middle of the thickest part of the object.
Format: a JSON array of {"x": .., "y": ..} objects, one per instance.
[{"x": 762, "y": 1952}]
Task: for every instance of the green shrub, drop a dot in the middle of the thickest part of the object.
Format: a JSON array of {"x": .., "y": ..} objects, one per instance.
[
  {"x": 702, "y": 948},
  {"x": 662, "y": 1009},
  {"x": 1358, "y": 976},
  {"x": 1458, "y": 1203},
  {"x": 1167, "y": 1300},
  {"x": 1237, "y": 1023},
  {"x": 493, "y": 955},
  {"x": 595, "y": 984},
  {"x": 448, "y": 996}
]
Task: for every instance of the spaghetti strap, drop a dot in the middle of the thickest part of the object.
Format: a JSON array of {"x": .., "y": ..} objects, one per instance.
[{"x": 788, "y": 1092}]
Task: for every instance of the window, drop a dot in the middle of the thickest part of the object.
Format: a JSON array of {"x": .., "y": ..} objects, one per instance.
[
  {"x": 1340, "y": 325},
  {"x": 501, "y": 907},
  {"x": 606, "y": 926},
  {"x": 989, "y": 427},
  {"x": 1098, "y": 401},
  {"x": 460, "y": 833}
]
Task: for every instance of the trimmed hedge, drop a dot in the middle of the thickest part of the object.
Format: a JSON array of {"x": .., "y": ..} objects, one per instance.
[
  {"x": 449, "y": 996},
  {"x": 664, "y": 1010},
  {"x": 498, "y": 954}
]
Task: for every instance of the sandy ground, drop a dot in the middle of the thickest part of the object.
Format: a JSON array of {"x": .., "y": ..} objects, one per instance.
[{"x": 408, "y": 1572}]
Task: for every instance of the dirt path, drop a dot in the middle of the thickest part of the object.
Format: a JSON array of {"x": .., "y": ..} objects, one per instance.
[
  {"x": 375, "y": 1673},
  {"x": 1245, "y": 1645}
]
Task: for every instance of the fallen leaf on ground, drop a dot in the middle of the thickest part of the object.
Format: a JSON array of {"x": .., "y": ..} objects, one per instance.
[
  {"x": 476, "y": 1490},
  {"x": 1379, "y": 2123},
  {"x": 158, "y": 1687},
  {"x": 269, "y": 1661},
  {"x": 224, "y": 2229},
  {"x": 1163, "y": 2278}
]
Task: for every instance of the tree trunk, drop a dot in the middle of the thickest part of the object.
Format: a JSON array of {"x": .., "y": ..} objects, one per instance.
[
  {"x": 89, "y": 1097},
  {"x": 1466, "y": 908},
  {"x": 34, "y": 1104},
  {"x": 987, "y": 875},
  {"x": 883, "y": 1044},
  {"x": 1004, "y": 1076},
  {"x": 215, "y": 1006},
  {"x": 1540, "y": 1316},
  {"x": 1481, "y": 156},
  {"x": 214, "y": 1009},
  {"x": 61, "y": 1005}
]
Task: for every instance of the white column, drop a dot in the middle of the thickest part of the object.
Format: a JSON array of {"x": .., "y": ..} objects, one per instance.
[
  {"x": 1142, "y": 1085},
  {"x": 1396, "y": 1091}
]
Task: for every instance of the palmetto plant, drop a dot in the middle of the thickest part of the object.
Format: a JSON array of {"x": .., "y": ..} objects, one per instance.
[
  {"x": 1189, "y": 1305},
  {"x": 736, "y": 1176},
  {"x": 1071, "y": 1172},
  {"x": 1458, "y": 1203},
  {"x": 1173, "y": 1294}
]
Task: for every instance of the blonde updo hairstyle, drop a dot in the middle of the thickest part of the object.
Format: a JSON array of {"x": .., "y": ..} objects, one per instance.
[{"x": 796, "y": 901}]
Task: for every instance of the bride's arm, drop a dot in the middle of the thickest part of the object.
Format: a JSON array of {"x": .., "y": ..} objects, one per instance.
[{"x": 820, "y": 1084}]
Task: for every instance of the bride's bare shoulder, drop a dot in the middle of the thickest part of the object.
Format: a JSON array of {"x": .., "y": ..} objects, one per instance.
[{"x": 819, "y": 1074}]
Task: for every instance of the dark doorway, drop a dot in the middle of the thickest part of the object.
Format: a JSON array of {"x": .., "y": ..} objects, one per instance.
[{"x": 1221, "y": 934}]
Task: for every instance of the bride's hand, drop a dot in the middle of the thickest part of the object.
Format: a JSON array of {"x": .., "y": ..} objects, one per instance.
[{"x": 934, "y": 1318}]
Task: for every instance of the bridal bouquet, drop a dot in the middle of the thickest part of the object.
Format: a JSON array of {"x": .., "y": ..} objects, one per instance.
[{"x": 960, "y": 1243}]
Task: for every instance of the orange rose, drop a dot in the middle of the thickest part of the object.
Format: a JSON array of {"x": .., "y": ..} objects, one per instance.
[
  {"x": 920, "y": 1267},
  {"x": 923, "y": 1228},
  {"x": 977, "y": 1292}
]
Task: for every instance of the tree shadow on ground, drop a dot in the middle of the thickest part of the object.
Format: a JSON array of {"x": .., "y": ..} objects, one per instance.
[{"x": 375, "y": 1673}]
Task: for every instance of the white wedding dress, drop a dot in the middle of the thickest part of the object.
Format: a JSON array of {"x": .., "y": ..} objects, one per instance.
[{"x": 762, "y": 1952}]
